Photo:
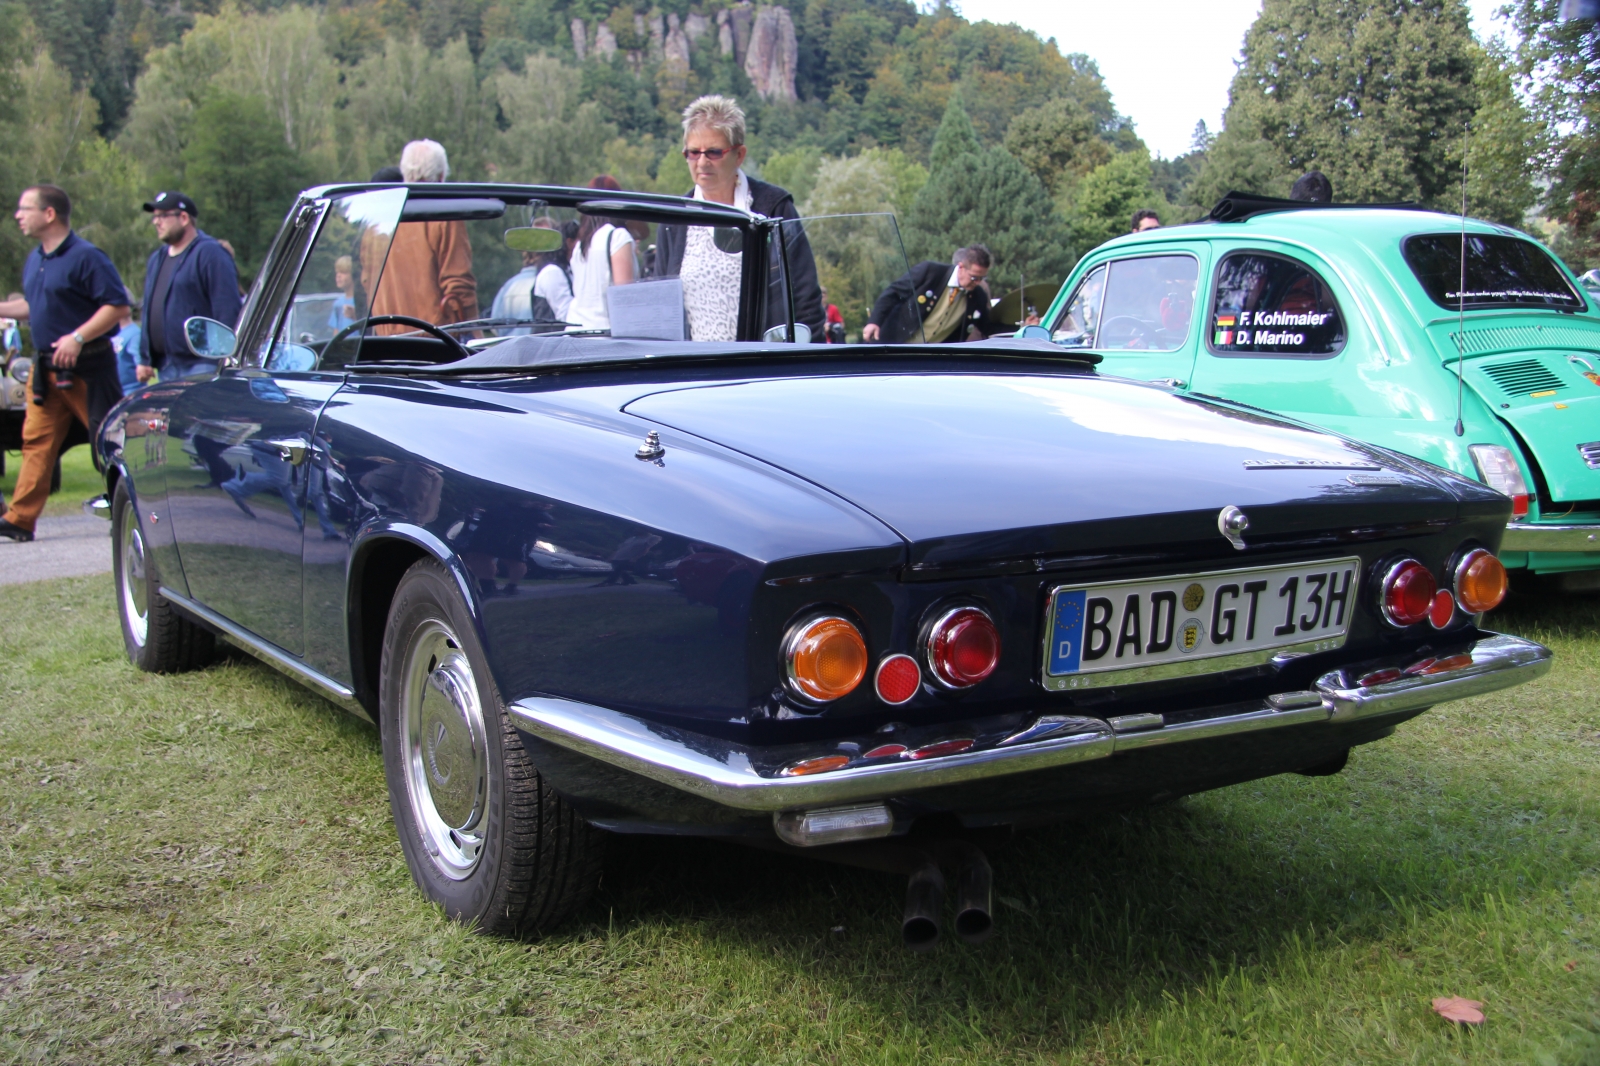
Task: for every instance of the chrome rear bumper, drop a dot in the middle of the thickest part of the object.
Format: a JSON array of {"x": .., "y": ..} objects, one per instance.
[
  {"x": 746, "y": 778},
  {"x": 1533, "y": 537}
]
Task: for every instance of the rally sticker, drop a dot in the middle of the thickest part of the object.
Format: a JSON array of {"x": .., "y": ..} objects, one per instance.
[{"x": 1271, "y": 329}]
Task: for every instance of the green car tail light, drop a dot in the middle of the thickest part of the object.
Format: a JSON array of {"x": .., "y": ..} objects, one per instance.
[{"x": 1501, "y": 472}]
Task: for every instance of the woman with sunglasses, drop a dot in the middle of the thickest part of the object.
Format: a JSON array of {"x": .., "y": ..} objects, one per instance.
[{"x": 713, "y": 143}]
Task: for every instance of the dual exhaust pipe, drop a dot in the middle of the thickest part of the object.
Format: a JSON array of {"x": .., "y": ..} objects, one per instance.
[{"x": 974, "y": 898}]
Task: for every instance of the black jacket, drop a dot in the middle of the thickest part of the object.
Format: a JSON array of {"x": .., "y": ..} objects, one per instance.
[
  {"x": 907, "y": 302},
  {"x": 204, "y": 282},
  {"x": 774, "y": 202}
]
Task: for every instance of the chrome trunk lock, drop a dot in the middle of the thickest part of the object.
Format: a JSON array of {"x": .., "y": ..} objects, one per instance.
[{"x": 1231, "y": 523}]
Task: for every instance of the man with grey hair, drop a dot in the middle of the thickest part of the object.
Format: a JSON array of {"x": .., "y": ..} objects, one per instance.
[
  {"x": 424, "y": 160},
  {"x": 943, "y": 302},
  {"x": 713, "y": 144},
  {"x": 429, "y": 271}
]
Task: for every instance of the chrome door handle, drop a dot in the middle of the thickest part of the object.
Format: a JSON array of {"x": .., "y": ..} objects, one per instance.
[{"x": 291, "y": 450}]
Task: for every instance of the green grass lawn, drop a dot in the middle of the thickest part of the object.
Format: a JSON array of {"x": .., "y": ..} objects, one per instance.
[
  {"x": 201, "y": 868},
  {"x": 78, "y": 481}
]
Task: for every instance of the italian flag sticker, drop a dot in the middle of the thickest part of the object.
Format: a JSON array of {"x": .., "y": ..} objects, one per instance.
[{"x": 1224, "y": 330}]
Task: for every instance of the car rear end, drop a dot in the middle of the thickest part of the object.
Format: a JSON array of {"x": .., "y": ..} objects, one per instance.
[
  {"x": 1529, "y": 344},
  {"x": 1054, "y": 642}
]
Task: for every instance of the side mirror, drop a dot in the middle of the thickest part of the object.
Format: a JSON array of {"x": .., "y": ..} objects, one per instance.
[
  {"x": 208, "y": 338},
  {"x": 533, "y": 239},
  {"x": 1033, "y": 333},
  {"x": 780, "y": 334}
]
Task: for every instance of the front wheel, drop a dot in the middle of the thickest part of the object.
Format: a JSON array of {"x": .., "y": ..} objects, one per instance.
[
  {"x": 485, "y": 837},
  {"x": 158, "y": 639}
]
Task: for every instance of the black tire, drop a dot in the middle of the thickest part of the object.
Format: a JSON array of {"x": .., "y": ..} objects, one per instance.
[
  {"x": 486, "y": 838},
  {"x": 159, "y": 640}
]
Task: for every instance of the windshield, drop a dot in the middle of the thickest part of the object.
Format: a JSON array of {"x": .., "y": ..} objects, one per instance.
[{"x": 1501, "y": 272}]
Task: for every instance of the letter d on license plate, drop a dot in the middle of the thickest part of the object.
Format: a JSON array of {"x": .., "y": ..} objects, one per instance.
[{"x": 1122, "y": 632}]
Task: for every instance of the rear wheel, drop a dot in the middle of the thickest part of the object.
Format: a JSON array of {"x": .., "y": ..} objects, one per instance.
[
  {"x": 157, "y": 637},
  {"x": 485, "y": 837}
]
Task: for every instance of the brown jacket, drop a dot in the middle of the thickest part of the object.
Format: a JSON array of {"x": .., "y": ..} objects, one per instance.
[{"x": 428, "y": 274}]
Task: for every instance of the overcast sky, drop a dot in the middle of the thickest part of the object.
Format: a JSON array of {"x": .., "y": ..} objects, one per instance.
[{"x": 1170, "y": 76}]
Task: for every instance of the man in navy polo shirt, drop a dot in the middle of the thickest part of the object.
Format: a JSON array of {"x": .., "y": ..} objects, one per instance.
[
  {"x": 190, "y": 274},
  {"x": 73, "y": 298}
]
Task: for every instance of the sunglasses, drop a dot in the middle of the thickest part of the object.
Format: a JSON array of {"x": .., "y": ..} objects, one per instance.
[{"x": 712, "y": 154}]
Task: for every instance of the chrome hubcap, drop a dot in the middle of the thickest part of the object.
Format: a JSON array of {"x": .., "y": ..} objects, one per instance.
[
  {"x": 447, "y": 761},
  {"x": 135, "y": 589}
]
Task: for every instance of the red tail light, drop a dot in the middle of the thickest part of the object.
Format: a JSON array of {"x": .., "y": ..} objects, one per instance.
[
  {"x": 1408, "y": 590},
  {"x": 963, "y": 647}
]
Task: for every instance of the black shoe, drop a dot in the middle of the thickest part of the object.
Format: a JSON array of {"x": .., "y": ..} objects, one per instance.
[{"x": 14, "y": 532}]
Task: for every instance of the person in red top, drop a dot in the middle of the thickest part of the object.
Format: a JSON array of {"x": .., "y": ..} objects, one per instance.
[{"x": 833, "y": 329}]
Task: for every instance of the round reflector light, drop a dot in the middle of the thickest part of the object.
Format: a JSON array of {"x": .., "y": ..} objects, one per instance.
[
  {"x": 1480, "y": 582},
  {"x": 1443, "y": 609},
  {"x": 827, "y": 658},
  {"x": 963, "y": 647},
  {"x": 899, "y": 678},
  {"x": 1408, "y": 590}
]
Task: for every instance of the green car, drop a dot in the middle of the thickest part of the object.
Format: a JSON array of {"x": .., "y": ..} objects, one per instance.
[{"x": 1349, "y": 318}]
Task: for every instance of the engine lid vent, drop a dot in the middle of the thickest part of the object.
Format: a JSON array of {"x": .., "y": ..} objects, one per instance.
[
  {"x": 1591, "y": 454},
  {"x": 1523, "y": 377}
]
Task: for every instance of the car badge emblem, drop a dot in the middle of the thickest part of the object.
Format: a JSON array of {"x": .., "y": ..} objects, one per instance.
[{"x": 1231, "y": 523}]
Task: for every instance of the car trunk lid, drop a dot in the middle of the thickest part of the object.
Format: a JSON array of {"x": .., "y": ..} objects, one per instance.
[
  {"x": 971, "y": 467},
  {"x": 1544, "y": 381}
]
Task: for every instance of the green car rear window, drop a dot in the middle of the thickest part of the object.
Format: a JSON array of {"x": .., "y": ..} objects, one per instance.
[
  {"x": 1271, "y": 305},
  {"x": 1501, "y": 272}
]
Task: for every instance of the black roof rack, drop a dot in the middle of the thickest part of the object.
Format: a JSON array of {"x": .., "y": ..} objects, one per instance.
[{"x": 1238, "y": 206}]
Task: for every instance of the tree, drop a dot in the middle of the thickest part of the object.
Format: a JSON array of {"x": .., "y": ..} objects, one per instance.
[
  {"x": 1058, "y": 140},
  {"x": 51, "y": 134},
  {"x": 1375, "y": 95},
  {"x": 1558, "y": 66},
  {"x": 408, "y": 92},
  {"x": 550, "y": 138},
  {"x": 991, "y": 199},
  {"x": 1499, "y": 181},
  {"x": 1104, "y": 202},
  {"x": 242, "y": 174},
  {"x": 955, "y": 137}
]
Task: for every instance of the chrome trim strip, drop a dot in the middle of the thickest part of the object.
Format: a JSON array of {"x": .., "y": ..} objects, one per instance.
[
  {"x": 663, "y": 754},
  {"x": 653, "y": 752},
  {"x": 1534, "y": 537},
  {"x": 98, "y": 507},
  {"x": 1248, "y": 722},
  {"x": 1497, "y": 662},
  {"x": 272, "y": 655}
]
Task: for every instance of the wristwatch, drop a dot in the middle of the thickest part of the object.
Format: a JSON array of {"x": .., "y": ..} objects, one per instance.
[{"x": 79, "y": 338}]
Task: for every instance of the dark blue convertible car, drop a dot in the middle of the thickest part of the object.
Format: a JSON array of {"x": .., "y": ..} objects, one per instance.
[{"x": 877, "y": 603}]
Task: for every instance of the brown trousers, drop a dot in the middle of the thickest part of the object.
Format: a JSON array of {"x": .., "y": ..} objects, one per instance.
[{"x": 44, "y": 429}]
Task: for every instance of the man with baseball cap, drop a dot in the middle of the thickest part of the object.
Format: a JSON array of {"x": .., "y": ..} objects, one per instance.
[{"x": 190, "y": 274}]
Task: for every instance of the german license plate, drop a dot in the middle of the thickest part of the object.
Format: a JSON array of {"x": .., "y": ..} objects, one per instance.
[{"x": 1124, "y": 631}]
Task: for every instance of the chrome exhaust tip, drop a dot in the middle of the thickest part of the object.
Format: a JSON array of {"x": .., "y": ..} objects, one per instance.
[
  {"x": 975, "y": 899},
  {"x": 924, "y": 905}
]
